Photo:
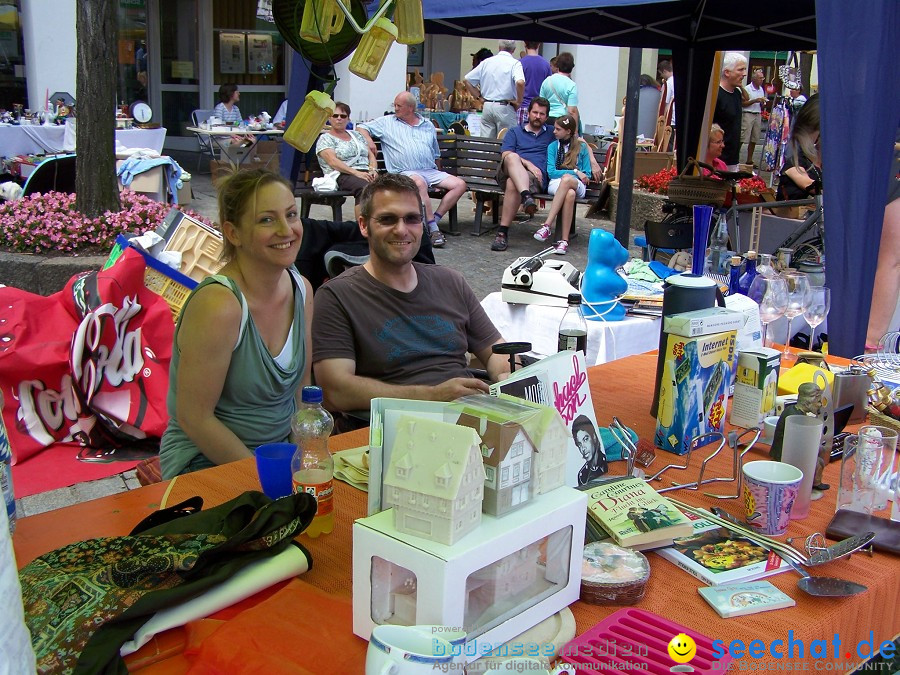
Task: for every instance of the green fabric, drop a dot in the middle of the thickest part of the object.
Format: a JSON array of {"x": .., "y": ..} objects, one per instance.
[
  {"x": 83, "y": 601},
  {"x": 258, "y": 397},
  {"x": 641, "y": 271}
]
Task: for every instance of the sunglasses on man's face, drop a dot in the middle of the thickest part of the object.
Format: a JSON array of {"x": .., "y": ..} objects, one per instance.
[{"x": 340, "y": 116}]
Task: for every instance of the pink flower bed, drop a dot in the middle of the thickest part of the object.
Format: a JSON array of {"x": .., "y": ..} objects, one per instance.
[{"x": 49, "y": 222}]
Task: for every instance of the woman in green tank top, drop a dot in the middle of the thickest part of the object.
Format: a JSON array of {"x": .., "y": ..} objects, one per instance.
[{"x": 242, "y": 347}]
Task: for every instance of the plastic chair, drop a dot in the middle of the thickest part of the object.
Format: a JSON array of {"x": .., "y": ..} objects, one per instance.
[
  {"x": 670, "y": 235},
  {"x": 205, "y": 142}
]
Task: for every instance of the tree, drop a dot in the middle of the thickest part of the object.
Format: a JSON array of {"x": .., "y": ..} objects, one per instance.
[{"x": 96, "y": 187}]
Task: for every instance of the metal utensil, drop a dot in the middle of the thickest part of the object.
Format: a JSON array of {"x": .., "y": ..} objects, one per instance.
[{"x": 829, "y": 587}]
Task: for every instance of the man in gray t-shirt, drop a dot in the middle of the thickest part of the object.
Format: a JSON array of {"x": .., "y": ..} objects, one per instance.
[{"x": 397, "y": 328}]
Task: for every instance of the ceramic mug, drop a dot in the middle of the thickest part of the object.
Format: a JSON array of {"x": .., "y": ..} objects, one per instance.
[
  {"x": 406, "y": 650},
  {"x": 770, "y": 489},
  {"x": 768, "y": 434}
]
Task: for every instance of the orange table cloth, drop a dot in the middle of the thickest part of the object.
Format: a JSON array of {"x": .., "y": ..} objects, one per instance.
[{"x": 622, "y": 388}]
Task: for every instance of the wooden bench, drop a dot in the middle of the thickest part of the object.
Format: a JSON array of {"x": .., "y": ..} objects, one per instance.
[{"x": 476, "y": 160}]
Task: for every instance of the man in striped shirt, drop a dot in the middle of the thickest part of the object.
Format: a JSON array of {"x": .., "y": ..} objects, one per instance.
[{"x": 410, "y": 147}]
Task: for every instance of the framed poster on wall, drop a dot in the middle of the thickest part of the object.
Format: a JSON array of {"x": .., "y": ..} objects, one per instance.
[
  {"x": 231, "y": 53},
  {"x": 415, "y": 55},
  {"x": 259, "y": 54}
]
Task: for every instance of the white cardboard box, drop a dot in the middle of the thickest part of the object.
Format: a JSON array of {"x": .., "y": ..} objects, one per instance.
[
  {"x": 405, "y": 579},
  {"x": 756, "y": 387}
]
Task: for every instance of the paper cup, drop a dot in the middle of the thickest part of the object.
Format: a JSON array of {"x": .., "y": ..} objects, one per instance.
[
  {"x": 273, "y": 464},
  {"x": 770, "y": 489}
]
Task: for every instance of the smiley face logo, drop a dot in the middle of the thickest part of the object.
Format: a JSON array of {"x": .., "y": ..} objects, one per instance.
[{"x": 682, "y": 648}]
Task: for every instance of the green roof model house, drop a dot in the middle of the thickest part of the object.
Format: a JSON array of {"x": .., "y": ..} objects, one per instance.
[{"x": 435, "y": 480}]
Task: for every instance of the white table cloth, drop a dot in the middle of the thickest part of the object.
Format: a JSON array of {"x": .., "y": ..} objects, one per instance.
[
  {"x": 539, "y": 325},
  {"x": 38, "y": 140}
]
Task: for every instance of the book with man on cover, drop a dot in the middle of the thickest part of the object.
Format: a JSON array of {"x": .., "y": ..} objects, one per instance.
[
  {"x": 718, "y": 556},
  {"x": 635, "y": 514}
]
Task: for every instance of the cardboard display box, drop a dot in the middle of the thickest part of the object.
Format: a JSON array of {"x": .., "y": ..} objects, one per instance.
[
  {"x": 506, "y": 576},
  {"x": 151, "y": 183},
  {"x": 754, "y": 390},
  {"x": 693, "y": 394}
]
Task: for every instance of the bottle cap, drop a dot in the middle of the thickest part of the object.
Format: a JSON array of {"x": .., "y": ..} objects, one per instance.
[
  {"x": 735, "y": 260},
  {"x": 751, "y": 255},
  {"x": 574, "y": 298},
  {"x": 312, "y": 394}
]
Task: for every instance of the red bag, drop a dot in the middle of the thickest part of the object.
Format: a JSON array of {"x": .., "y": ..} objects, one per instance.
[{"x": 90, "y": 363}]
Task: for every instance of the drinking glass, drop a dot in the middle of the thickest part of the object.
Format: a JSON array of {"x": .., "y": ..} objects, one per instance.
[
  {"x": 770, "y": 293},
  {"x": 817, "y": 309},
  {"x": 798, "y": 298}
]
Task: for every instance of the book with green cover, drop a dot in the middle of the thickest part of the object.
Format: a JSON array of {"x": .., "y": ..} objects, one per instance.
[
  {"x": 740, "y": 599},
  {"x": 635, "y": 514}
]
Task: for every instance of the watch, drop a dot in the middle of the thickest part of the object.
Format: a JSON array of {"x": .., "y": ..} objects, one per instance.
[{"x": 141, "y": 112}]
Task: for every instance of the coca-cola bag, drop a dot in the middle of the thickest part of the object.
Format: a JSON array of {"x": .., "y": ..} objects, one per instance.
[{"x": 88, "y": 364}]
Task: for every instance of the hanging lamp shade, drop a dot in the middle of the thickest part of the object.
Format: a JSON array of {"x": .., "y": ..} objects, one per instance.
[
  {"x": 373, "y": 49},
  {"x": 288, "y": 16},
  {"x": 309, "y": 120}
]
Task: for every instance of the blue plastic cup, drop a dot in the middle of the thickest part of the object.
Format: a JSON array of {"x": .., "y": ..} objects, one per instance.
[{"x": 273, "y": 464}]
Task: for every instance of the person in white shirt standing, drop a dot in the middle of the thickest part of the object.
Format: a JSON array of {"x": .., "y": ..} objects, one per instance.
[
  {"x": 502, "y": 84},
  {"x": 751, "y": 120}
]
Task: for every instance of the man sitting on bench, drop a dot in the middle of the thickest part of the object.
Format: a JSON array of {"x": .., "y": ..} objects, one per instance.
[
  {"x": 397, "y": 328},
  {"x": 410, "y": 147},
  {"x": 523, "y": 167}
]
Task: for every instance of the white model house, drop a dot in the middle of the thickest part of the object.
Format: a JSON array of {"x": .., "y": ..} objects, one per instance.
[
  {"x": 508, "y": 455},
  {"x": 435, "y": 479},
  {"x": 551, "y": 441}
]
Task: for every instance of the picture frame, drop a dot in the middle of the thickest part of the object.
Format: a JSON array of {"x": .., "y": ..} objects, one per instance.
[{"x": 415, "y": 56}]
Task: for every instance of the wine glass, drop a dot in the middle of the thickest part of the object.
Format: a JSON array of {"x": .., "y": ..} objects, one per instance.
[
  {"x": 798, "y": 298},
  {"x": 770, "y": 293},
  {"x": 816, "y": 309}
]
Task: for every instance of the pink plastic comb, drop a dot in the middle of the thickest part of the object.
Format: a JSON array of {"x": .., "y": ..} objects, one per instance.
[{"x": 636, "y": 636}]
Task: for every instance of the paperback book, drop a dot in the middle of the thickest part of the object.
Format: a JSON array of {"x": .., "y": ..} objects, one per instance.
[
  {"x": 717, "y": 556},
  {"x": 634, "y": 514},
  {"x": 741, "y": 599}
]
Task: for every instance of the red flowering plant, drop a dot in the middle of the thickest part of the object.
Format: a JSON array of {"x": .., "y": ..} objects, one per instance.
[
  {"x": 48, "y": 223},
  {"x": 658, "y": 182},
  {"x": 753, "y": 185}
]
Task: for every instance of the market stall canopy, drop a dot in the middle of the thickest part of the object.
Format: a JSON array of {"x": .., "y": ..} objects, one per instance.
[{"x": 856, "y": 48}]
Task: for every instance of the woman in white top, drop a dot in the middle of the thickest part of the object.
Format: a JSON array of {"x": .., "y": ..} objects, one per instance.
[{"x": 347, "y": 152}]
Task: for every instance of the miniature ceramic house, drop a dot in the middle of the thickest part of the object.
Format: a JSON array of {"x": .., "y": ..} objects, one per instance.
[
  {"x": 504, "y": 580},
  {"x": 551, "y": 440},
  {"x": 507, "y": 452},
  {"x": 435, "y": 480}
]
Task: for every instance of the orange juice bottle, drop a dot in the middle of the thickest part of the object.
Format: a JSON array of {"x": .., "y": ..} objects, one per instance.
[{"x": 312, "y": 467}]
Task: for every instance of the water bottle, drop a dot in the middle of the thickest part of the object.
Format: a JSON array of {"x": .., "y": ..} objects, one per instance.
[
  {"x": 312, "y": 467},
  {"x": 735, "y": 275},
  {"x": 749, "y": 274},
  {"x": 6, "y": 485},
  {"x": 573, "y": 327}
]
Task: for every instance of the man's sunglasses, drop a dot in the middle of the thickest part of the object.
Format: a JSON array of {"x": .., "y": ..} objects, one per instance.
[{"x": 389, "y": 220}]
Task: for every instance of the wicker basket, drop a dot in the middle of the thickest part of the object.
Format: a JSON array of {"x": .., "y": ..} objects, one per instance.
[
  {"x": 691, "y": 190},
  {"x": 881, "y": 419}
]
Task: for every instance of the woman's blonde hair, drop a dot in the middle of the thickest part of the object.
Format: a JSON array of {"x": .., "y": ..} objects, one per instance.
[
  {"x": 235, "y": 194},
  {"x": 568, "y": 123}
]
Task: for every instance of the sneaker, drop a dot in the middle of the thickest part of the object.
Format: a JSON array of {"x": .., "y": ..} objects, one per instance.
[
  {"x": 500, "y": 242},
  {"x": 437, "y": 239},
  {"x": 529, "y": 206},
  {"x": 543, "y": 233},
  {"x": 561, "y": 247}
]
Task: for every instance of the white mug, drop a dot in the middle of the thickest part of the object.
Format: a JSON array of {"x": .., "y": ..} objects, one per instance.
[
  {"x": 769, "y": 424},
  {"x": 406, "y": 650}
]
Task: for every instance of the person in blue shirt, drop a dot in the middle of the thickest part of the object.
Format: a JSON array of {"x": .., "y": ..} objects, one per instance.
[
  {"x": 569, "y": 169},
  {"x": 523, "y": 167}
]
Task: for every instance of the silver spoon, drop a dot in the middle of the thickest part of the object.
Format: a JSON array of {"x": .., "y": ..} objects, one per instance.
[{"x": 830, "y": 587}]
